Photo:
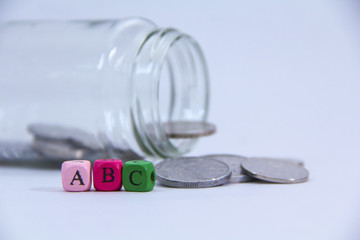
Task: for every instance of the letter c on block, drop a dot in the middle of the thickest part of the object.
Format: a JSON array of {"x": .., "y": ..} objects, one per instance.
[{"x": 131, "y": 177}]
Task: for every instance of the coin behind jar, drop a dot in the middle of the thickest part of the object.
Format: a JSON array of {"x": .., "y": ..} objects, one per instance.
[
  {"x": 275, "y": 170},
  {"x": 234, "y": 162},
  {"x": 19, "y": 150},
  {"x": 58, "y": 132},
  {"x": 192, "y": 172},
  {"x": 188, "y": 129},
  {"x": 59, "y": 149}
]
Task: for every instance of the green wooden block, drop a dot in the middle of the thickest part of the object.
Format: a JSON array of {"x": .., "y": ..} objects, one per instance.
[{"x": 138, "y": 176}]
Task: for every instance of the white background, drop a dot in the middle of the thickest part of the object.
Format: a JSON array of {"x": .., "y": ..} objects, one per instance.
[{"x": 285, "y": 82}]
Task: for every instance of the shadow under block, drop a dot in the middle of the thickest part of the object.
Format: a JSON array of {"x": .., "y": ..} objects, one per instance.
[
  {"x": 107, "y": 174},
  {"x": 139, "y": 176},
  {"x": 76, "y": 175}
]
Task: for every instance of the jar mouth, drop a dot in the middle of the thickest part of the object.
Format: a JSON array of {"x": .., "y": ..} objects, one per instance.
[{"x": 169, "y": 83}]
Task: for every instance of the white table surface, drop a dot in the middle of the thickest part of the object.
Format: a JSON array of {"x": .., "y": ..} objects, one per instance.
[{"x": 285, "y": 82}]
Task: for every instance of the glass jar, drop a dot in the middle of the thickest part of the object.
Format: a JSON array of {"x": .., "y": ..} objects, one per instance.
[{"x": 97, "y": 89}]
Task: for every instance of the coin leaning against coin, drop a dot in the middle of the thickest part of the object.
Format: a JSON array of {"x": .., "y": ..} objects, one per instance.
[
  {"x": 291, "y": 160},
  {"x": 275, "y": 170},
  {"x": 234, "y": 162},
  {"x": 192, "y": 172}
]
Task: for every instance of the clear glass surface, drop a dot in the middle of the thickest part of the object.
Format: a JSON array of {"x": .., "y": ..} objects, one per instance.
[{"x": 113, "y": 81}]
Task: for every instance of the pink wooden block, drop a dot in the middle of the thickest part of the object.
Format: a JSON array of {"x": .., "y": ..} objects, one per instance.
[
  {"x": 107, "y": 174},
  {"x": 76, "y": 175}
]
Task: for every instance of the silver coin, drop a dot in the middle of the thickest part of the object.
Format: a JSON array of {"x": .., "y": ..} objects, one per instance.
[
  {"x": 234, "y": 162},
  {"x": 188, "y": 129},
  {"x": 58, "y": 149},
  {"x": 291, "y": 160},
  {"x": 192, "y": 172},
  {"x": 275, "y": 170},
  {"x": 57, "y": 132},
  {"x": 10, "y": 151}
]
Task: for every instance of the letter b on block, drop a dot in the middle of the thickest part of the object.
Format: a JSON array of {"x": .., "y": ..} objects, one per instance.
[
  {"x": 139, "y": 176},
  {"x": 107, "y": 174},
  {"x": 76, "y": 175}
]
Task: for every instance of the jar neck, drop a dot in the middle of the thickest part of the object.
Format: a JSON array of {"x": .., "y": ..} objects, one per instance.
[{"x": 169, "y": 82}]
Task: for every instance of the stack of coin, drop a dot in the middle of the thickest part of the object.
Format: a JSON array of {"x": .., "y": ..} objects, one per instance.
[
  {"x": 218, "y": 169},
  {"x": 234, "y": 162},
  {"x": 215, "y": 170},
  {"x": 62, "y": 143},
  {"x": 59, "y": 143},
  {"x": 19, "y": 150}
]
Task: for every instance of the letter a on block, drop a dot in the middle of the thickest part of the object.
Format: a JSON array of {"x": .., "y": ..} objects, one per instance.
[{"x": 76, "y": 175}]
